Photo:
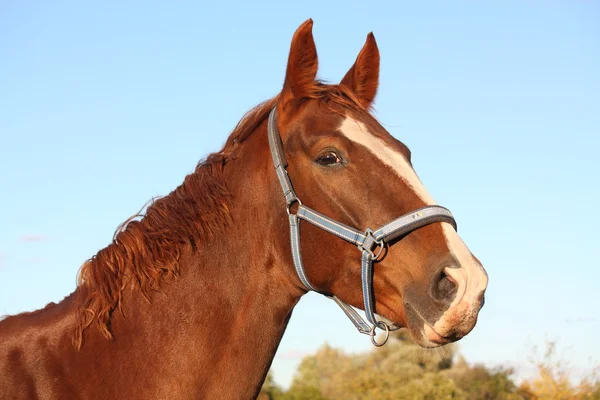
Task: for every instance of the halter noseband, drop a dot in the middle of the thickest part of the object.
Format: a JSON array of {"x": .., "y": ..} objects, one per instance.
[{"x": 366, "y": 241}]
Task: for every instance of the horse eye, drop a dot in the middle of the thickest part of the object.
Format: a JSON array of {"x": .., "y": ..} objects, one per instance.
[{"x": 328, "y": 158}]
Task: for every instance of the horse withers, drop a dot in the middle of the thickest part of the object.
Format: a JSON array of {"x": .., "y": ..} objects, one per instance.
[{"x": 191, "y": 300}]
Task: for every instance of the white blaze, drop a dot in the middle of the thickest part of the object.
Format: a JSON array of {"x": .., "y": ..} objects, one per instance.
[
  {"x": 358, "y": 133},
  {"x": 473, "y": 275}
]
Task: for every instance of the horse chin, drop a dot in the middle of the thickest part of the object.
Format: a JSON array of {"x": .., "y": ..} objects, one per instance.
[
  {"x": 422, "y": 333},
  {"x": 426, "y": 337}
]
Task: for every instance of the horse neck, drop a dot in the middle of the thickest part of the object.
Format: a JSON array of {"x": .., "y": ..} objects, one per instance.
[
  {"x": 211, "y": 332},
  {"x": 225, "y": 315}
]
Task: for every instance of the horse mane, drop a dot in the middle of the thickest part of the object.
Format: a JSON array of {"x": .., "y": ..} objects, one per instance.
[{"x": 147, "y": 247}]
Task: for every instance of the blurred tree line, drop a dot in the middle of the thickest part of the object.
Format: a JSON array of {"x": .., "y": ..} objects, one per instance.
[{"x": 403, "y": 370}]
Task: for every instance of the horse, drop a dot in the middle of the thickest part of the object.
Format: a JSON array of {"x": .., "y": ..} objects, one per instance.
[{"x": 191, "y": 299}]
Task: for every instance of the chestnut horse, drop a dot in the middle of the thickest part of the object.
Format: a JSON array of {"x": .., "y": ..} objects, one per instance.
[{"x": 191, "y": 299}]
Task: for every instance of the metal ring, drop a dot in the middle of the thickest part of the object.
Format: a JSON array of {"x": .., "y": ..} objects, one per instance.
[
  {"x": 290, "y": 204},
  {"x": 381, "y": 245},
  {"x": 387, "y": 334}
]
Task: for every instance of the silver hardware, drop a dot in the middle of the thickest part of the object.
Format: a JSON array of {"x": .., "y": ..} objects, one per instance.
[
  {"x": 380, "y": 243},
  {"x": 289, "y": 206},
  {"x": 386, "y": 328}
]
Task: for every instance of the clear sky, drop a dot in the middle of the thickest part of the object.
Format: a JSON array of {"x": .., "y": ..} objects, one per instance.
[{"x": 104, "y": 105}]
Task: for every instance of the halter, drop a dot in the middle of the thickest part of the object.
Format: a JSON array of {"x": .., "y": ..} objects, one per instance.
[{"x": 367, "y": 241}]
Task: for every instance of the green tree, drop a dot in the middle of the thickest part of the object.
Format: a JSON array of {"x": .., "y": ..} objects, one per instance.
[
  {"x": 480, "y": 383},
  {"x": 384, "y": 373},
  {"x": 403, "y": 370},
  {"x": 270, "y": 390}
]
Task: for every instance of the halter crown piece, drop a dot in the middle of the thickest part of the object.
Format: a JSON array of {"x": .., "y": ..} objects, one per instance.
[{"x": 366, "y": 241}]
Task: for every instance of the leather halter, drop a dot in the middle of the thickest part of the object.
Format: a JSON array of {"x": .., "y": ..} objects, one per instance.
[{"x": 366, "y": 241}]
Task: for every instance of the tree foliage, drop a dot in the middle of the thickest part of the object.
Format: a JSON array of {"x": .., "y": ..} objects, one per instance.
[{"x": 403, "y": 370}]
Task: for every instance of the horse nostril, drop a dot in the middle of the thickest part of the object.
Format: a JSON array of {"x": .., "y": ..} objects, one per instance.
[{"x": 444, "y": 289}]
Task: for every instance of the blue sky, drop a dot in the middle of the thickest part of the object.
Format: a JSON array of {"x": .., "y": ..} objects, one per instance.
[{"x": 104, "y": 106}]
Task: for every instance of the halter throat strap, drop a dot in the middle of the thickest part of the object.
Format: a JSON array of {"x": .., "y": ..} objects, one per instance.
[{"x": 366, "y": 241}]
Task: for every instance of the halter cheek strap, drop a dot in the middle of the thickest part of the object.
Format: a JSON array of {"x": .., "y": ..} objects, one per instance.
[{"x": 366, "y": 241}]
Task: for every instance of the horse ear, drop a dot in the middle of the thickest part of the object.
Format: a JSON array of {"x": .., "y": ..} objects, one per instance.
[
  {"x": 363, "y": 77},
  {"x": 302, "y": 65}
]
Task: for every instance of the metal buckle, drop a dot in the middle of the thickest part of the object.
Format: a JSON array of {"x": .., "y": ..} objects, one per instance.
[{"x": 373, "y": 241}]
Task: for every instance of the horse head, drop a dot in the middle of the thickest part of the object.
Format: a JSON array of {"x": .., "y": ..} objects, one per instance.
[{"x": 345, "y": 165}]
